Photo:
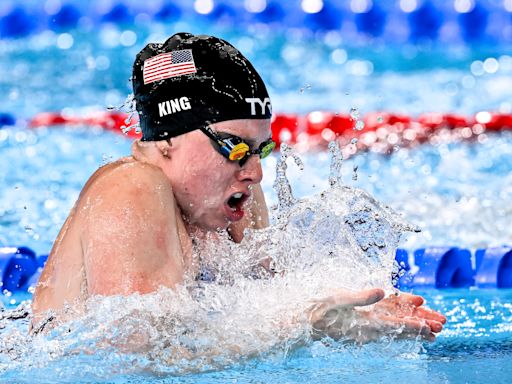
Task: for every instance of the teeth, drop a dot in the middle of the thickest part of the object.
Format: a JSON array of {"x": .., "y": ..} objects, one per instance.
[{"x": 238, "y": 195}]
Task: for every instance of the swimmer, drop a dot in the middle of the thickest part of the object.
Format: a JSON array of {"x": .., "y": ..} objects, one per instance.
[{"x": 205, "y": 117}]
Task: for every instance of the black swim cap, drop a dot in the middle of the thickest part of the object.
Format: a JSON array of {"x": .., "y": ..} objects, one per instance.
[{"x": 192, "y": 81}]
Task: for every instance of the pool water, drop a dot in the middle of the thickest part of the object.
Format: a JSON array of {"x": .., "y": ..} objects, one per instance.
[
  {"x": 459, "y": 193},
  {"x": 475, "y": 347}
]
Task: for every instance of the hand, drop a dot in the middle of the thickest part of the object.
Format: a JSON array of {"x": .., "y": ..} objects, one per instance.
[
  {"x": 339, "y": 316},
  {"x": 407, "y": 310}
]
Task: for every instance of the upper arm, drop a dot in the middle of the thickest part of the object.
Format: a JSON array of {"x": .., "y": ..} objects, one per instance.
[{"x": 130, "y": 241}]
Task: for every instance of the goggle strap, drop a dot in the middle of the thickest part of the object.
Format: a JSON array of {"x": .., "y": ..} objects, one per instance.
[{"x": 210, "y": 133}]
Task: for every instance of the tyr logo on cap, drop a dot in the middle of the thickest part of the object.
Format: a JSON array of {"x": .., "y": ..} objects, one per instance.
[{"x": 262, "y": 104}]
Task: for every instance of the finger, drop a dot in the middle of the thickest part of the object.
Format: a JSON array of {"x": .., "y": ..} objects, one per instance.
[
  {"x": 408, "y": 298},
  {"x": 409, "y": 325},
  {"x": 405, "y": 299},
  {"x": 400, "y": 328},
  {"x": 435, "y": 326},
  {"x": 343, "y": 301},
  {"x": 415, "y": 325},
  {"x": 429, "y": 314},
  {"x": 358, "y": 299}
]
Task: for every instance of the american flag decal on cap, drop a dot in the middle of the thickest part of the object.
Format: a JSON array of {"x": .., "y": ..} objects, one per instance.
[{"x": 166, "y": 65}]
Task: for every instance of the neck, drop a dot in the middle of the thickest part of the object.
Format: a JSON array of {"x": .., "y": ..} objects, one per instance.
[{"x": 147, "y": 152}]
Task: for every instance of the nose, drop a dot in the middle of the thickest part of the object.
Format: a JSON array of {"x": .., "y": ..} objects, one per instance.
[{"x": 251, "y": 170}]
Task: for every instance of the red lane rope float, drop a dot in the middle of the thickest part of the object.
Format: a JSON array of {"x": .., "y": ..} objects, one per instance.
[
  {"x": 376, "y": 131},
  {"x": 112, "y": 121}
]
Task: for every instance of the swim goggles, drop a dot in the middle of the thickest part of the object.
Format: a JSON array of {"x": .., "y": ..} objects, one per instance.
[{"x": 234, "y": 148}]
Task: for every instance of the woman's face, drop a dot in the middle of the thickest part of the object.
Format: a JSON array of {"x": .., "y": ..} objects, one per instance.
[{"x": 210, "y": 189}]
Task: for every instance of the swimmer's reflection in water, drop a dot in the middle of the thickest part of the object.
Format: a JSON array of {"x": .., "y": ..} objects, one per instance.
[{"x": 205, "y": 118}]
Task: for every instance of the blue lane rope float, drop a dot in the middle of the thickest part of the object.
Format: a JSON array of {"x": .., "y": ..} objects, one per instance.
[
  {"x": 66, "y": 18},
  {"x": 372, "y": 22},
  {"x": 395, "y": 21},
  {"x": 452, "y": 267},
  {"x": 425, "y": 268},
  {"x": 495, "y": 267},
  {"x": 443, "y": 267},
  {"x": 16, "y": 23},
  {"x": 7, "y": 119},
  {"x": 425, "y": 22},
  {"x": 17, "y": 266}
]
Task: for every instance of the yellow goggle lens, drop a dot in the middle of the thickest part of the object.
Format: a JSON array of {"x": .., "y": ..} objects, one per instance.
[{"x": 238, "y": 151}]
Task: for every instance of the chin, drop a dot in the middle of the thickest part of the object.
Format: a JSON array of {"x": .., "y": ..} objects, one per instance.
[{"x": 211, "y": 225}]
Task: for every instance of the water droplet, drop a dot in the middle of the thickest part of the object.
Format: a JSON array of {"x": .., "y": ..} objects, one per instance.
[
  {"x": 354, "y": 172},
  {"x": 307, "y": 87},
  {"x": 359, "y": 125}
]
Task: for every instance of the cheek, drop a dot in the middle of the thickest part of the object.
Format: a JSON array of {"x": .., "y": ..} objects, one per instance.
[{"x": 203, "y": 175}]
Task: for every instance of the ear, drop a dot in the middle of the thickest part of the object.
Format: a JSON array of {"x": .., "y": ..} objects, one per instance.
[{"x": 164, "y": 147}]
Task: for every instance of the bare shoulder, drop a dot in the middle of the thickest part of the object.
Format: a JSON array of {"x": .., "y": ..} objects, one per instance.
[
  {"x": 129, "y": 187},
  {"x": 129, "y": 238},
  {"x": 126, "y": 177}
]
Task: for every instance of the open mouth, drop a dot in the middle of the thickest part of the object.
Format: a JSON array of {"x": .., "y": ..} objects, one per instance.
[
  {"x": 234, "y": 206},
  {"x": 236, "y": 200}
]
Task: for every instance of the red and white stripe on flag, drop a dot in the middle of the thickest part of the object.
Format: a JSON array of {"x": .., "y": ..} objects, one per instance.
[{"x": 166, "y": 65}]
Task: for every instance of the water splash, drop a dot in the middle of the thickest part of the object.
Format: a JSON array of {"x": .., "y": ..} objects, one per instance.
[
  {"x": 336, "y": 164},
  {"x": 256, "y": 303},
  {"x": 282, "y": 185},
  {"x": 129, "y": 107}
]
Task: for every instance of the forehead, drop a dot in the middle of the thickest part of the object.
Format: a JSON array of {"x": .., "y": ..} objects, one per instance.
[{"x": 251, "y": 129}]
